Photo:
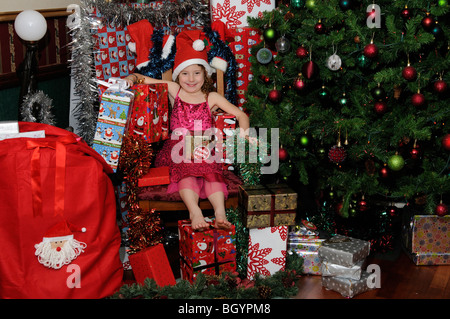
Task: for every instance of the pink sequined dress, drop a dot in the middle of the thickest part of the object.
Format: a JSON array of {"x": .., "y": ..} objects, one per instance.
[{"x": 204, "y": 177}]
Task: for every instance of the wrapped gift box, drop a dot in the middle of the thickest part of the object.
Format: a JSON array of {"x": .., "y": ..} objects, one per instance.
[
  {"x": 149, "y": 117},
  {"x": 345, "y": 251},
  {"x": 347, "y": 287},
  {"x": 152, "y": 263},
  {"x": 210, "y": 251},
  {"x": 329, "y": 269},
  {"x": 266, "y": 250},
  {"x": 111, "y": 122},
  {"x": 426, "y": 238},
  {"x": 155, "y": 176},
  {"x": 234, "y": 13},
  {"x": 225, "y": 126},
  {"x": 268, "y": 205},
  {"x": 311, "y": 261}
]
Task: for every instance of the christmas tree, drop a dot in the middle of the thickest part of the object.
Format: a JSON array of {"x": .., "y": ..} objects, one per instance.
[{"x": 359, "y": 93}]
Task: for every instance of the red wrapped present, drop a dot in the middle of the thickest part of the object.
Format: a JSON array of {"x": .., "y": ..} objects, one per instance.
[
  {"x": 152, "y": 263},
  {"x": 155, "y": 176},
  {"x": 225, "y": 125},
  {"x": 212, "y": 251},
  {"x": 149, "y": 117}
]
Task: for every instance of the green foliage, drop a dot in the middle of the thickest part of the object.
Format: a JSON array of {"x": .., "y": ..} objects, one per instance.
[{"x": 372, "y": 137}]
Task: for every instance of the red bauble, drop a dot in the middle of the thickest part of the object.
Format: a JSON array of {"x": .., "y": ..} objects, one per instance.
[
  {"x": 406, "y": 13},
  {"x": 428, "y": 23},
  {"x": 384, "y": 172},
  {"x": 310, "y": 69},
  {"x": 380, "y": 107},
  {"x": 370, "y": 50},
  {"x": 337, "y": 154},
  {"x": 301, "y": 52},
  {"x": 441, "y": 209},
  {"x": 440, "y": 86},
  {"x": 409, "y": 73},
  {"x": 415, "y": 153},
  {"x": 283, "y": 154},
  {"x": 274, "y": 96},
  {"x": 299, "y": 85},
  {"x": 446, "y": 142},
  {"x": 418, "y": 99},
  {"x": 362, "y": 205},
  {"x": 319, "y": 28}
]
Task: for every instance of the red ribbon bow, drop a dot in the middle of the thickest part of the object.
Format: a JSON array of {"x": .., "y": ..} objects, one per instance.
[{"x": 60, "y": 171}]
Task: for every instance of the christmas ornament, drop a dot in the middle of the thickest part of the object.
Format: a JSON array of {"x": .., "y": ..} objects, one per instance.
[
  {"x": 384, "y": 172},
  {"x": 380, "y": 107},
  {"x": 396, "y": 162},
  {"x": 357, "y": 39},
  {"x": 310, "y": 70},
  {"x": 264, "y": 56},
  {"x": 362, "y": 205},
  {"x": 409, "y": 73},
  {"x": 310, "y": 4},
  {"x": 397, "y": 91},
  {"x": 337, "y": 154},
  {"x": 441, "y": 209},
  {"x": 275, "y": 96},
  {"x": 378, "y": 92},
  {"x": 418, "y": 99},
  {"x": 301, "y": 52},
  {"x": 319, "y": 27},
  {"x": 334, "y": 62},
  {"x": 442, "y": 3},
  {"x": 440, "y": 86},
  {"x": 362, "y": 61},
  {"x": 415, "y": 152},
  {"x": 299, "y": 84},
  {"x": 283, "y": 154},
  {"x": 297, "y": 4},
  {"x": 406, "y": 13},
  {"x": 269, "y": 34},
  {"x": 427, "y": 22},
  {"x": 345, "y": 4},
  {"x": 304, "y": 140},
  {"x": 446, "y": 142},
  {"x": 343, "y": 101},
  {"x": 282, "y": 45},
  {"x": 370, "y": 50},
  {"x": 265, "y": 79}
]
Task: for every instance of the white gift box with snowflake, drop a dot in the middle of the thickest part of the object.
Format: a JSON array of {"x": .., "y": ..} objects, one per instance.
[
  {"x": 234, "y": 13},
  {"x": 266, "y": 250}
]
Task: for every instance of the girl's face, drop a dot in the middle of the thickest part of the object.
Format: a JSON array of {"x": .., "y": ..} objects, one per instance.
[{"x": 192, "y": 78}]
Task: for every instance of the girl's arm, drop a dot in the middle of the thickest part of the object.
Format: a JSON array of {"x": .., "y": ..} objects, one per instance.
[
  {"x": 135, "y": 78},
  {"x": 216, "y": 100}
]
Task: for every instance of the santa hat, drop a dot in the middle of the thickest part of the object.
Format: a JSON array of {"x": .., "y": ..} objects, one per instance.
[
  {"x": 61, "y": 231},
  {"x": 190, "y": 50},
  {"x": 168, "y": 41},
  {"x": 141, "y": 36}
]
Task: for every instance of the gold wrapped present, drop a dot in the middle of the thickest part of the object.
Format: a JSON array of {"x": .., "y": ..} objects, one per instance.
[{"x": 268, "y": 205}]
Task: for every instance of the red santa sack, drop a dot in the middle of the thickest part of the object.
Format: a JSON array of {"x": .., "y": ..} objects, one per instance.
[{"x": 58, "y": 231}]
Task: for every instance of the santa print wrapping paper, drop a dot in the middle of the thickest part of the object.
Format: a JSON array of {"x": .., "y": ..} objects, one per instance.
[
  {"x": 211, "y": 251},
  {"x": 149, "y": 117},
  {"x": 114, "y": 108},
  {"x": 152, "y": 263},
  {"x": 234, "y": 13},
  {"x": 266, "y": 250},
  {"x": 225, "y": 126},
  {"x": 426, "y": 238}
]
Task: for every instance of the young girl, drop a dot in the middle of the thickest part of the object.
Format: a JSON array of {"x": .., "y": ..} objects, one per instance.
[{"x": 192, "y": 101}]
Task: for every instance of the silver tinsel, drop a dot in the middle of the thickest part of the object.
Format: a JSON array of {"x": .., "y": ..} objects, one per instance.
[
  {"x": 84, "y": 44},
  {"x": 45, "y": 106}
]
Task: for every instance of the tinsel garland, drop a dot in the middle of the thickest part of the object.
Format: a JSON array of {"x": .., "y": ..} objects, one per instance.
[
  {"x": 249, "y": 171},
  {"x": 45, "y": 106},
  {"x": 235, "y": 216},
  {"x": 144, "y": 226},
  {"x": 282, "y": 284}
]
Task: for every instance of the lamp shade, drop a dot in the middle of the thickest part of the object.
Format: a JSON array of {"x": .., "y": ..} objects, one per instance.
[{"x": 30, "y": 25}]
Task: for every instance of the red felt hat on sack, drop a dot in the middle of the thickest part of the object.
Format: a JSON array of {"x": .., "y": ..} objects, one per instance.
[
  {"x": 191, "y": 49},
  {"x": 61, "y": 231},
  {"x": 141, "y": 34}
]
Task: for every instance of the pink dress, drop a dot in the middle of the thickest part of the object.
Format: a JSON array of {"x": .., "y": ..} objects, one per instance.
[{"x": 207, "y": 176}]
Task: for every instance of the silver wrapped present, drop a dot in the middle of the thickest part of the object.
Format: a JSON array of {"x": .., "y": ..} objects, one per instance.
[
  {"x": 349, "y": 287},
  {"x": 329, "y": 269},
  {"x": 345, "y": 251}
]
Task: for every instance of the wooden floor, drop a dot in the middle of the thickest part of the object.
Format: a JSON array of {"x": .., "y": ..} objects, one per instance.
[{"x": 400, "y": 279}]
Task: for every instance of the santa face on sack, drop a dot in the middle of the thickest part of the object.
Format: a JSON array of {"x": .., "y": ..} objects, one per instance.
[{"x": 59, "y": 247}]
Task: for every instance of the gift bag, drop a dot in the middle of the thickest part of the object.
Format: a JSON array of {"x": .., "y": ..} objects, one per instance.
[{"x": 59, "y": 236}]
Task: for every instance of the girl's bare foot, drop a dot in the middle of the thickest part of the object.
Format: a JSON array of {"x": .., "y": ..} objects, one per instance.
[
  {"x": 221, "y": 221},
  {"x": 198, "y": 222}
]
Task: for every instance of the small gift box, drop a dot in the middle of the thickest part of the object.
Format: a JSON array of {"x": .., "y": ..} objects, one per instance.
[
  {"x": 155, "y": 176},
  {"x": 345, "y": 251},
  {"x": 152, "y": 263},
  {"x": 211, "y": 251},
  {"x": 311, "y": 261},
  {"x": 348, "y": 287},
  {"x": 234, "y": 13},
  {"x": 268, "y": 205},
  {"x": 266, "y": 250},
  {"x": 225, "y": 126},
  {"x": 329, "y": 269},
  {"x": 149, "y": 117}
]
